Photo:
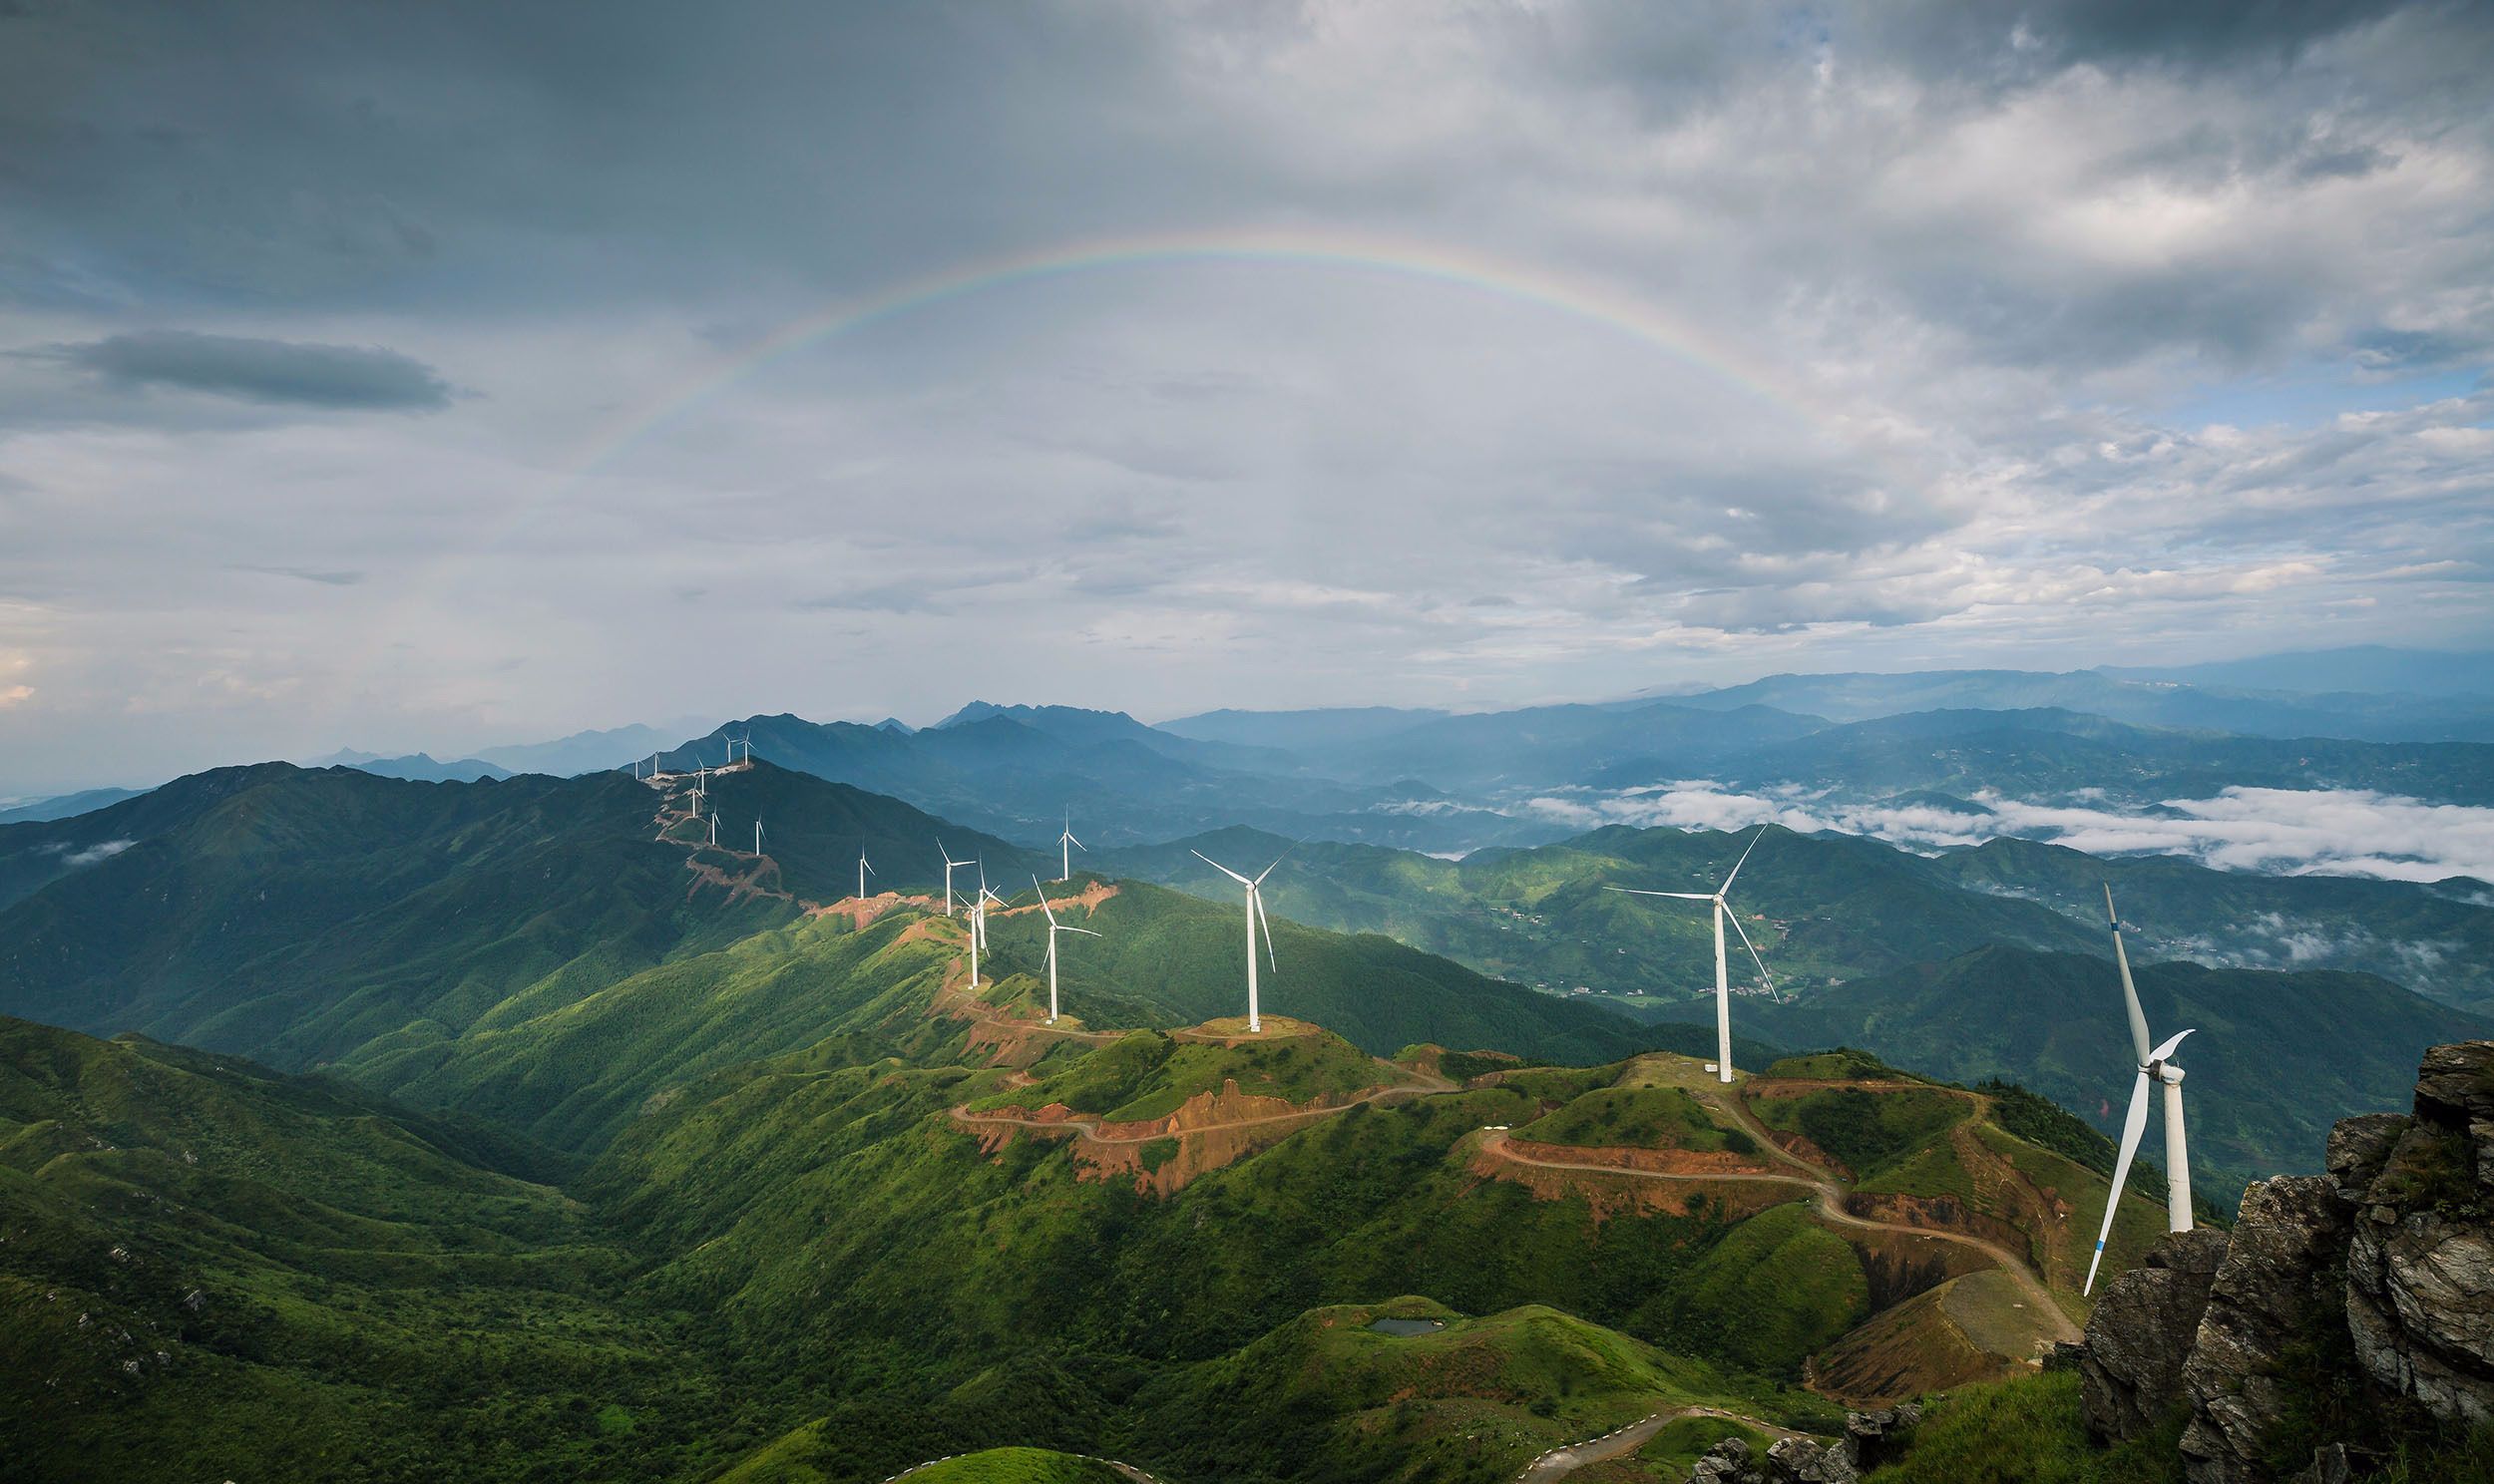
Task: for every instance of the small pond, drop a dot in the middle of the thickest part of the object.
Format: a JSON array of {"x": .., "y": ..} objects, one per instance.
[{"x": 1407, "y": 1326}]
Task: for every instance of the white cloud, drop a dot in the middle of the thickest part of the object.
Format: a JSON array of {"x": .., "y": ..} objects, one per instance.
[{"x": 2292, "y": 832}]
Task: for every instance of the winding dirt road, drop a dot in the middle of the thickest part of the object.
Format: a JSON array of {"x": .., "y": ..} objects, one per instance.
[{"x": 1831, "y": 1205}]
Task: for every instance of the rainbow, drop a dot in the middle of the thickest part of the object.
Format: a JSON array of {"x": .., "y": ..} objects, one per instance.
[
  {"x": 1588, "y": 302},
  {"x": 1591, "y": 304}
]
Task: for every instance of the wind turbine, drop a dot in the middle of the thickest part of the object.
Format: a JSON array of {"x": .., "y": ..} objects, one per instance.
[
  {"x": 2155, "y": 1065},
  {"x": 1255, "y": 914},
  {"x": 1723, "y": 976},
  {"x": 714, "y": 829},
  {"x": 1066, "y": 844},
  {"x": 950, "y": 865},
  {"x": 1054, "y": 927},
  {"x": 863, "y": 872}
]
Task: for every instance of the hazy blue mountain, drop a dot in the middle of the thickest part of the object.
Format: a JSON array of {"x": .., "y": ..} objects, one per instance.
[
  {"x": 1545, "y": 745},
  {"x": 2050, "y": 753},
  {"x": 1861, "y": 697},
  {"x": 1002, "y": 773},
  {"x": 582, "y": 752},
  {"x": 420, "y": 767},
  {"x": 1311, "y": 733},
  {"x": 2364, "y": 669},
  {"x": 1078, "y": 727},
  {"x": 64, "y": 806}
]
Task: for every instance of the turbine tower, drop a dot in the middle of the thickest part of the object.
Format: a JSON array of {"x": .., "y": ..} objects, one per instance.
[
  {"x": 758, "y": 836},
  {"x": 1255, "y": 915},
  {"x": 863, "y": 872},
  {"x": 714, "y": 829},
  {"x": 950, "y": 865},
  {"x": 1066, "y": 844},
  {"x": 2155, "y": 1065},
  {"x": 1723, "y": 976},
  {"x": 1054, "y": 927}
]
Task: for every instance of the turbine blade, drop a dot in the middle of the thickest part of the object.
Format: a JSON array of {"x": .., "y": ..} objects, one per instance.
[
  {"x": 1753, "y": 953},
  {"x": 1086, "y": 932},
  {"x": 1217, "y": 865},
  {"x": 1677, "y": 895},
  {"x": 2133, "y": 1125},
  {"x": 1076, "y": 843},
  {"x": 1268, "y": 931},
  {"x": 2165, "y": 1051},
  {"x": 2130, "y": 992},
  {"x": 1277, "y": 859},
  {"x": 1726, "y": 888},
  {"x": 1035, "y": 885}
]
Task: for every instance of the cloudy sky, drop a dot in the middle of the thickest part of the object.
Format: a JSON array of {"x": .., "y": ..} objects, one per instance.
[{"x": 434, "y": 375}]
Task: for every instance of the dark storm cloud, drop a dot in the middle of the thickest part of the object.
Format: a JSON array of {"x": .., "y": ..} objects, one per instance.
[{"x": 267, "y": 371}]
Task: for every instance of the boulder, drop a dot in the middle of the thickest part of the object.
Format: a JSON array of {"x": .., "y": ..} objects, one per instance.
[
  {"x": 2274, "y": 1288},
  {"x": 1728, "y": 1462},
  {"x": 2359, "y": 1147},
  {"x": 1881, "y": 1436},
  {"x": 2141, "y": 1332},
  {"x": 2420, "y": 1265},
  {"x": 1801, "y": 1461}
]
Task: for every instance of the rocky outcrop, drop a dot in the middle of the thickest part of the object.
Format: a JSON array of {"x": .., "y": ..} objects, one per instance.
[
  {"x": 2273, "y": 1289},
  {"x": 1870, "y": 1439},
  {"x": 2140, "y": 1335},
  {"x": 2420, "y": 1267}
]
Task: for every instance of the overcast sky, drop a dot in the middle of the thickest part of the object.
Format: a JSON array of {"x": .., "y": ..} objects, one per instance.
[{"x": 400, "y": 376}]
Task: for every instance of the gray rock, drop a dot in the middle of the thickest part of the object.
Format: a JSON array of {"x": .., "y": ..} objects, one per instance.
[
  {"x": 1728, "y": 1462},
  {"x": 2420, "y": 1307},
  {"x": 2337, "y": 1463},
  {"x": 2359, "y": 1147},
  {"x": 2141, "y": 1334},
  {"x": 1801, "y": 1461},
  {"x": 2268, "y": 1293},
  {"x": 2455, "y": 1091},
  {"x": 1880, "y": 1436}
]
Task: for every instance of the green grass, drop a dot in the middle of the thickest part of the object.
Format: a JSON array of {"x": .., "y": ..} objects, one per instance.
[
  {"x": 1776, "y": 1288},
  {"x": 1639, "y": 1117},
  {"x": 1147, "y": 1075},
  {"x": 1869, "y": 1132},
  {"x": 790, "y": 1462},
  {"x": 1474, "y": 1401},
  {"x": 2026, "y": 1431},
  {"x": 213, "y": 1270}
]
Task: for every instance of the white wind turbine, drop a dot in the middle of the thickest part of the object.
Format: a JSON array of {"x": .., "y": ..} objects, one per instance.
[
  {"x": 1723, "y": 976},
  {"x": 1255, "y": 914},
  {"x": 1066, "y": 844},
  {"x": 863, "y": 870},
  {"x": 950, "y": 865},
  {"x": 713, "y": 829},
  {"x": 2155, "y": 1065},
  {"x": 1054, "y": 927}
]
